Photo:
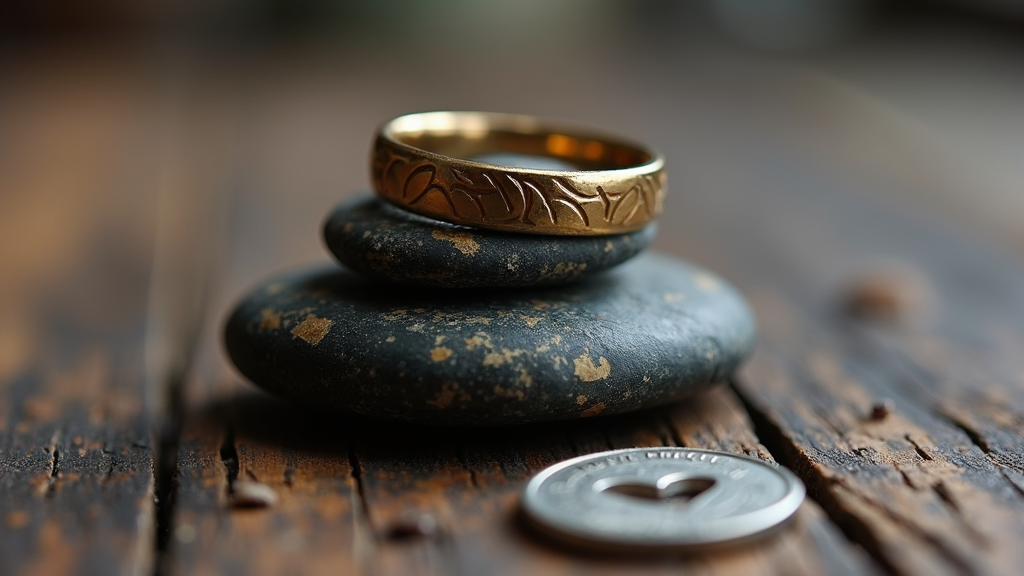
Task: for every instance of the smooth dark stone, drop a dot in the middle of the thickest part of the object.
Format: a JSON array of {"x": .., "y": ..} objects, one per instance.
[
  {"x": 385, "y": 242},
  {"x": 650, "y": 331}
]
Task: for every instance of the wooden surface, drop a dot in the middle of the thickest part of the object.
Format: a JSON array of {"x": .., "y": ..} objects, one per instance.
[
  {"x": 76, "y": 453},
  {"x": 887, "y": 375}
]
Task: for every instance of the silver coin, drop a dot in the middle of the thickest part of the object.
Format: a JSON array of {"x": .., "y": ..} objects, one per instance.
[{"x": 661, "y": 498}]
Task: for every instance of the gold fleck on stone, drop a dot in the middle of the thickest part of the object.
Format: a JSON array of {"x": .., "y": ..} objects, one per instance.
[
  {"x": 531, "y": 321},
  {"x": 503, "y": 356},
  {"x": 271, "y": 320},
  {"x": 444, "y": 399},
  {"x": 479, "y": 339},
  {"x": 563, "y": 271},
  {"x": 587, "y": 371},
  {"x": 441, "y": 353},
  {"x": 312, "y": 329},
  {"x": 463, "y": 241},
  {"x": 524, "y": 378},
  {"x": 507, "y": 393}
]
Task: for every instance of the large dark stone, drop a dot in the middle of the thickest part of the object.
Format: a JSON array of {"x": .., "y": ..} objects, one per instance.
[
  {"x": 385, "y": 242},
  {"x": 650, "y": 331}
]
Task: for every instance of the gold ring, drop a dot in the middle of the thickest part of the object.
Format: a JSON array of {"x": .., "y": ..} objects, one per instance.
[{"x": 436, "y": 164}]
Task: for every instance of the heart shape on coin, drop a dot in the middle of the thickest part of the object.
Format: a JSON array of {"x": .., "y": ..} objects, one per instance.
[{"x": 676, "y": 489}]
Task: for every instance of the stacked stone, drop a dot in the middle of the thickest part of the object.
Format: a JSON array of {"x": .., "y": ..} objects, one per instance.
[{"x": 440, "y": 323}]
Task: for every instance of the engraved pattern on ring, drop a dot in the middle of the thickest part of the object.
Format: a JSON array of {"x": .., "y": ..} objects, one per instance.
[{"x": 483, "y": 197}]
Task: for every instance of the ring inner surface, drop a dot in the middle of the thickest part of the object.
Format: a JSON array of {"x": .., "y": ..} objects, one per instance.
[{"x": 580, "y": 151}]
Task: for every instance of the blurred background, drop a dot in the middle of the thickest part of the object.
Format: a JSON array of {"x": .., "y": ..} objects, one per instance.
[{"x": 160, "y": 156}]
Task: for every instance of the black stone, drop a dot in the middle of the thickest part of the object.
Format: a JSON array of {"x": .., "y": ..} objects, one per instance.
[
  {"x": 650, "y": 331},
  {"x": 385, "y": 242}
]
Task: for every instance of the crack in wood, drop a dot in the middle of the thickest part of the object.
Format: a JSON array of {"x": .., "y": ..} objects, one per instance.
[
  {"x": 51, "y": 482},
  {"x": 787, "y": 454},
  {"x": 229, "y": 458},
  {"x": 917, "y": 448},
  {"x": 978, "y": 440},
  {"x": 822, "y": 490},
  {"x": 961, "y": 417},
  {"x": 943, "y": 493},
  {"x": 1017, "y": 487},
  {"x": 460, "y": 457},
  {"x": 974, "y": 435},
  {"x": 165, "y": 473},
  {"x": 916, "y": 372},
  {"x": 363, "y": 510},
  {"x": 110, "y": 465},
  {"x": 940, "y": 547},
  {"x": 906, "y": 479}
]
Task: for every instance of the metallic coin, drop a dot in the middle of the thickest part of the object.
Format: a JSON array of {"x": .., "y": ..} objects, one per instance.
[{"x": 650, "y": 498}]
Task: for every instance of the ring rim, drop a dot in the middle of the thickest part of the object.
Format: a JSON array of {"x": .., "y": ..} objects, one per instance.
[{"x": 619, "y": 186}]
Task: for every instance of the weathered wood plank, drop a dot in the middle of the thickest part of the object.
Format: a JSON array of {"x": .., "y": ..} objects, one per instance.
[
  {"x": 312, "y": 527},
  {"x": 436, "y": 501},
  {"x": 812, "y": 545},
  {"x": 76, "y": 473}
]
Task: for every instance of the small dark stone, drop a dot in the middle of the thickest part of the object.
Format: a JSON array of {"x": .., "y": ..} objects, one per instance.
[
  {"x": 650, "y": 331},
  {"x": 882, "y": 408},
  {"x": 889, "y": 292},
  {"x": 385, "y": 242},
  {"x": 411, "y": 525},
  {"x": 247, "y": 494}
]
